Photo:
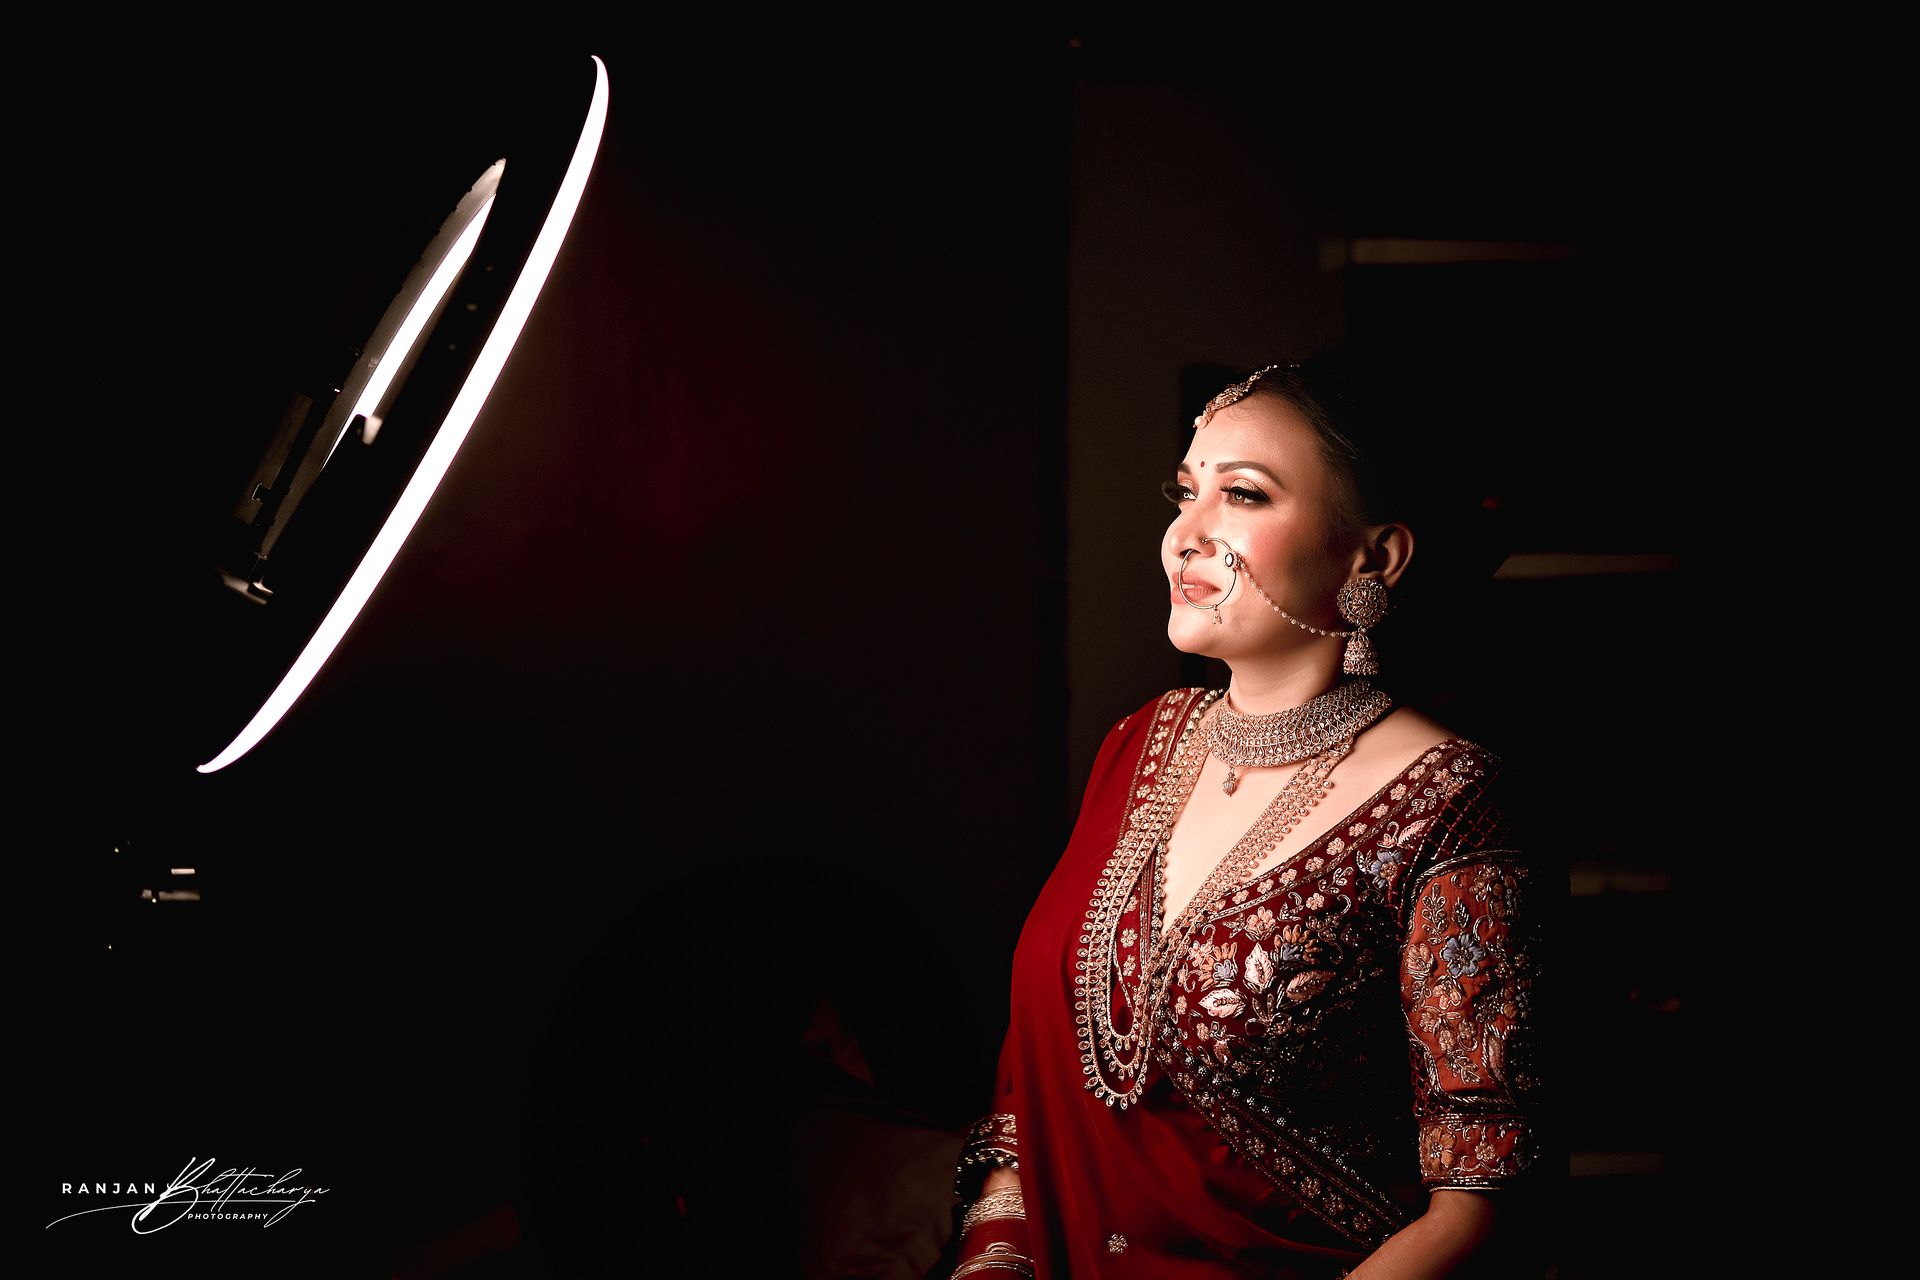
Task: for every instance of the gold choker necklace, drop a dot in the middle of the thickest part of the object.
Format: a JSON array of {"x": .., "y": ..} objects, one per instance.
[{"x": 1294, "y": 733}]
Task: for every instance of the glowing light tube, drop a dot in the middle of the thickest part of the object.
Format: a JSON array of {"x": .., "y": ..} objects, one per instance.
[
  {"x": 446, "y": 441},
  {"x": 395, "y": 356}
]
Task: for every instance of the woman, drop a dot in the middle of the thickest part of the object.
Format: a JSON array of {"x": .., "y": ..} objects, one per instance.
[{"x": 1272, "y": 1012}]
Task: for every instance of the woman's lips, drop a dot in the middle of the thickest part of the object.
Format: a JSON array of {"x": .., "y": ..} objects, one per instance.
[{"x": 1195, "y": 590}]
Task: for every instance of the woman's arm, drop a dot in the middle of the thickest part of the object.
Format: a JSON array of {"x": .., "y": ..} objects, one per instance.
[
  {"x": 1000, "y": 1178},
  {"x": 1457, "y": 1236},
  {"x": 1471, "y": 955},
  {"x": 994, "y": 1243},
  {"x": 993, "y": 1227}
]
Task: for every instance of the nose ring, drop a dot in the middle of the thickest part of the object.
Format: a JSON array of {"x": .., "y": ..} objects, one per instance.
[{"x": 1231, "y": 560}]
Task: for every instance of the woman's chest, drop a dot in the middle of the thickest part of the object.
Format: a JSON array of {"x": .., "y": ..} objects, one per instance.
[
  {"x": 1270, "y": 951},
  {"x": 1223, "y": 840},
  {"x": 1285, "y": 985}
]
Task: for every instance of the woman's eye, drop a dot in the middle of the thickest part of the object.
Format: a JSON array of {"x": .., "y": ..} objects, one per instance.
[{"x": 1238, "y": 495}]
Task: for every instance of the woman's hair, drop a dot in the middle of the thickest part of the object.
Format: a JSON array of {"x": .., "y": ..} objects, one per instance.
[{"x": 1401, "y": 450}]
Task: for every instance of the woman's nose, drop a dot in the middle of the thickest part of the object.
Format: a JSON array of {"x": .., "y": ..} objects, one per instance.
[{"x": 1183, "y": 540}]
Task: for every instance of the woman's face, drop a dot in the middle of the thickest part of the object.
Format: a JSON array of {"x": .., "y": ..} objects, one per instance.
[{"x": 1253, "y": 477}]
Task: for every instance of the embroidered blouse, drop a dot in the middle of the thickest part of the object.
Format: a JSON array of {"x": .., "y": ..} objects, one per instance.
[{"x": 1344, "y": 1033}]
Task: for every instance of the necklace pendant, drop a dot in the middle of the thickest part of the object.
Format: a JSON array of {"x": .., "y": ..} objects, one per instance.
[{"x": 1231, "y": 781}]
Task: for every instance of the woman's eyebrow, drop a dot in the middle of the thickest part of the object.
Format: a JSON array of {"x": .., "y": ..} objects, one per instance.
[{"x": 1184, "y": 470}]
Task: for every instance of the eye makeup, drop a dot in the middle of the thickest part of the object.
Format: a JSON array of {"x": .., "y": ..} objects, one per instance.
[{"x": 1237, "y": 495}]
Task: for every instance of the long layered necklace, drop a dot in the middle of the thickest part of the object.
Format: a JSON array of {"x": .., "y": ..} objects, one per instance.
[{"x": 1321, "y": 733}]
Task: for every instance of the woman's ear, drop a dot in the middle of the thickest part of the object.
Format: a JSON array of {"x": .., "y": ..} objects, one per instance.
[{"x": 1387, "y": 550}]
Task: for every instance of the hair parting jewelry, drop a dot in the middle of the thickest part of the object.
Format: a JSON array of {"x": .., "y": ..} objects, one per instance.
[{"x": 1238, "y": 391}]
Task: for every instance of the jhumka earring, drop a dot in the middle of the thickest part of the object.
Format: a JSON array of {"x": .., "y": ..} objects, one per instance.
[{"x": 1363, "y": 602}]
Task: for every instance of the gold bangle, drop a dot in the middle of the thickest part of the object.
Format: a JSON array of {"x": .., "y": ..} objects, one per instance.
[
  {"x": 997, "y": 1254},
  {"x": 1003, "y": 1202}
]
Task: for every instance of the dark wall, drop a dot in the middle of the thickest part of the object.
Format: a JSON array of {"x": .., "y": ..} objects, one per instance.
[
  {"x": 722, "y": 676},
  {"x": 745, "y": 672}
]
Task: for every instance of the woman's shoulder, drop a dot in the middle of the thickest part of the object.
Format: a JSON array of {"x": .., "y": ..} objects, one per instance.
[
  {"x": 1464, "y": 800},
  {"x": 1417, "y": 744},
  {"x": 1407, "y": 734}
]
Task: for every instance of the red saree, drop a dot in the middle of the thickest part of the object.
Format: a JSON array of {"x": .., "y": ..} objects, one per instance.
[{"x": 1346, "y": 1032}]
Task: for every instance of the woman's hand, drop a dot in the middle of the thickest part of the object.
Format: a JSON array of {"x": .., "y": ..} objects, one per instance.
[
  {"x": 1007, "y": 1233},
  {"x": 1456, "y": 1237}
]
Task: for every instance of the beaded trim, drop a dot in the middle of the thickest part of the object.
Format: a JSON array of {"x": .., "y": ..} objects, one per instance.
[
  {"x": 1116, "y": 1069},
  {"x": 992, "y": 1143}
]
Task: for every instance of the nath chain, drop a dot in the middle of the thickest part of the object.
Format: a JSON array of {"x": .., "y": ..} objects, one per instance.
[{"x": 1248, "y": 570}]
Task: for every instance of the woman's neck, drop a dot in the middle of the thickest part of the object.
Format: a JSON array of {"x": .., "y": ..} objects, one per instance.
[{"x": 1262, "y": 688}]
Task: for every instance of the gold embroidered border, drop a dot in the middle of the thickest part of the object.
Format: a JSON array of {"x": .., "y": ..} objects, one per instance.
[
  {"x": 1170, "y": 731},
  {"x": 1460, "y": 1150},
  {"x": 1332, "y": 1192},
  {"x": 1454, "y": 862},
  {"x": 993, "y": 1142},
  {"x": 1169, "y": 720}
]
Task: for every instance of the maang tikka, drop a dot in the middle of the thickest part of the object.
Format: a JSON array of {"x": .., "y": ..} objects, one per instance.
[{"x": 1234, "y": 394}]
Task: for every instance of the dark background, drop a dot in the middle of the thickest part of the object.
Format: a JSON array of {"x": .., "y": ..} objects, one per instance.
[{"x": 637, "y": 886}]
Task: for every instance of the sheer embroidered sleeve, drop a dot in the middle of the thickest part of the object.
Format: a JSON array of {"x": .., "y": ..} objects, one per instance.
[{"x": 1470, "y": 958}]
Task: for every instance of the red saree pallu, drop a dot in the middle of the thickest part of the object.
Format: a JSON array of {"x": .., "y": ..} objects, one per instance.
[{"x": 1332, "y": 1040}]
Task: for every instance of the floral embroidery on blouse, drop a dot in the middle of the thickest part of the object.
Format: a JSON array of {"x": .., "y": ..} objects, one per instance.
[
  {"x": 1467, "y": 987},
  {"x": 1303, "y": 1000}
]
